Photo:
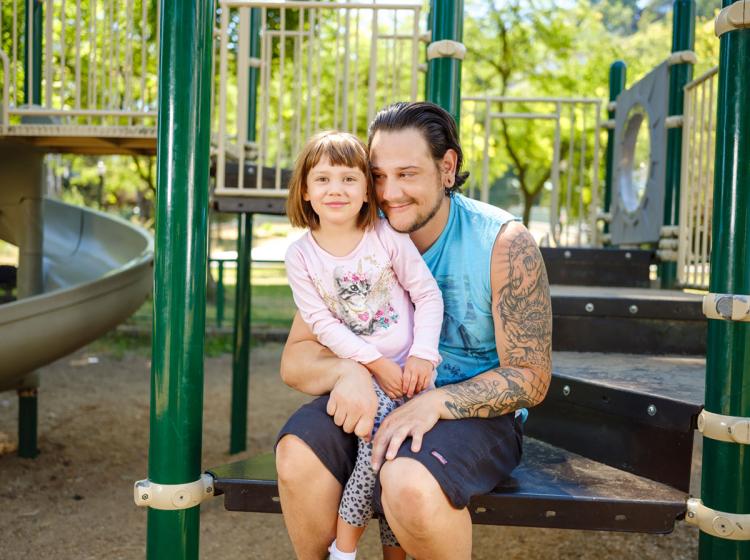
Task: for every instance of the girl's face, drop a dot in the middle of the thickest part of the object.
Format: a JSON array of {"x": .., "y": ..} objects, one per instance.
[{"x": 336, "y": 193}]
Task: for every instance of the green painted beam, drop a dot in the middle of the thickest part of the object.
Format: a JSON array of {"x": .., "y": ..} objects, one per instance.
[
  {"x": 241, "y": 327},
  {"x": 725, "y": 484},
  {"x": 444, "y": 74},
  {"x": 617, "y": 80},
  {"x": 33, "y": 52},
  {"x": 683, "y": 38},
  {"x": 180, "y": 268}
]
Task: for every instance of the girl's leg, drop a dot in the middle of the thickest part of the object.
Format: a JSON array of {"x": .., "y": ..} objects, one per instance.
[{"x": 356, "y": 509}]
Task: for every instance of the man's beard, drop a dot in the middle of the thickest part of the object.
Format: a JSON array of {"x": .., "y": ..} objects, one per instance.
[{"x": 420, "y": 221}]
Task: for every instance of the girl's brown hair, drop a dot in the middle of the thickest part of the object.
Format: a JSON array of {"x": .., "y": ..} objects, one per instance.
[{"x": 341, "y": 148}]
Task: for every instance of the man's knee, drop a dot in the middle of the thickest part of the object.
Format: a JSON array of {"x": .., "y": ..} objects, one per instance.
[
  {"x": 294, "y": 460},
  {"x": 410, "y": 494}
]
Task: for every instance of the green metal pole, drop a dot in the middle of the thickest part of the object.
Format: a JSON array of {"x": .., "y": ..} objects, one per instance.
[
  {"x": 725, "y": 482},
  {"x": 241, "y": 338},
  {"x": 32, "y": 283},
  {"x": 617, "y": 80},
  {"x": 27, "y": 423},
  {"x": 220, "y": 294},
  {"x": 444, "y": 74},
  {"x": 33, "y": 53},
  {"x": 180, "y": 268},
  {"x": 241, "y": 328},
  {"x": 683, "y": 38}
]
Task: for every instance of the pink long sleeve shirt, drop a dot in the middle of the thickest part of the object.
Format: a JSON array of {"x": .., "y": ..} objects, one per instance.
[{"x": 379, "y": 300}]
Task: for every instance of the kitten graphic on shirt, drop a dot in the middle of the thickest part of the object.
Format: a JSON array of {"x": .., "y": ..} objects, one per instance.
[{"x": 361, "y": 304}]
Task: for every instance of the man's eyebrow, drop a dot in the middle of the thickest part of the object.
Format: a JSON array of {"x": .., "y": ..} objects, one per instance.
[{"x": 402, "y": 168}]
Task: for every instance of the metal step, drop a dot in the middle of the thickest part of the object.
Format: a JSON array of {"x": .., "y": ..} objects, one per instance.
[
  {"x": 598, "y": 267},
  {"x": 551, "y": 488},
  {"x": 630, "y": 320}
]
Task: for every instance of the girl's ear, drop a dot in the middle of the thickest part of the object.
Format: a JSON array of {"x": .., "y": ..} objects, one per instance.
[{"x": 305, "y": 196}]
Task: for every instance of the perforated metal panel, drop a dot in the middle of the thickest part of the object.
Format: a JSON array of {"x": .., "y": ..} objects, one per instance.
[{"x": 639, "y": 220}]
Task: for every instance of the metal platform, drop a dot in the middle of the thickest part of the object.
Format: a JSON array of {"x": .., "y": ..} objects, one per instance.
[
  {"x": 598, "y": 267},
  {"x": 86, "y": 140},
  {"x": 551, "y": 488},
  {"x": 630, "y": 320},
  {"x": 609, "y": 449}
]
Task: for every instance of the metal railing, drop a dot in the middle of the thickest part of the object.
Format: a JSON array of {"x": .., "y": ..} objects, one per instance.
[
  {"x": 696, "y": 190},
  {"x": 373, "y": 52},
  {"x": 567, "y": 129},
  {"x": 98, "y": 69}
]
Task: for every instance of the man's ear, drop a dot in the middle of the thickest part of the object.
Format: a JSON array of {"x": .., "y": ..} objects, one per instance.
[{"x": 449, "y": 162}]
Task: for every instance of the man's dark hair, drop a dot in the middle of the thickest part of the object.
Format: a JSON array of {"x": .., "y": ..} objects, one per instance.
[{"x": 436, "y": 125}]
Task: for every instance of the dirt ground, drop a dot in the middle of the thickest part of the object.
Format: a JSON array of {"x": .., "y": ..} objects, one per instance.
[{"x": 76, "y": 500}]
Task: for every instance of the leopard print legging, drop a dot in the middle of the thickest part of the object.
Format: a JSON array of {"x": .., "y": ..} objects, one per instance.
[{"x": 356, "y": 501}]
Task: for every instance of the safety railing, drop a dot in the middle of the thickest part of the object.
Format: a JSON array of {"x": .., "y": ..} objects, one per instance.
[
  {"x": 96, "y": 67},
  {"x": 552, "y": 144},
  {"x": 322, "y": 65},
  {"x": 696, "y": 190}
]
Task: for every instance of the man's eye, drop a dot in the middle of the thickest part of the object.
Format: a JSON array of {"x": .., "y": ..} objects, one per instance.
[{"x": 407, "y": 175}]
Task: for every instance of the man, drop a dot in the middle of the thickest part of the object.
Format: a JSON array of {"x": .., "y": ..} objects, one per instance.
[{"x": 495, "y": 344}]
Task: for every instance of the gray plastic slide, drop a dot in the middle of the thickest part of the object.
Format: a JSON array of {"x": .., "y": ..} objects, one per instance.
[{"x": 97, "y": 271}]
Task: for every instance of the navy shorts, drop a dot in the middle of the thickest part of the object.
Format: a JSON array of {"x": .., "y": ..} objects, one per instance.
[{"x": 467, "y": 457}]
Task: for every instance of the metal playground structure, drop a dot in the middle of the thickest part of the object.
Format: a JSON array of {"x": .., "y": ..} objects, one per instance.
[{"x": 241, "y": 84}]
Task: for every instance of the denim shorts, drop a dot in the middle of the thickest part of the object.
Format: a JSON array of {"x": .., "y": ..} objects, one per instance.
[{"x": 467, "y": 457}]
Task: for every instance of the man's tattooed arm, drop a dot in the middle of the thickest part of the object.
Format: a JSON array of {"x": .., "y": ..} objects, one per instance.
[{"x": 522, "y": 314}]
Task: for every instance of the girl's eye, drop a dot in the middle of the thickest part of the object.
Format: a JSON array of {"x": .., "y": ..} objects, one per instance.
[{"x": 350, "y": 179}]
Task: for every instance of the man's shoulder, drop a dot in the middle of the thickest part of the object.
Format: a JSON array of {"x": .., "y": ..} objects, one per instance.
[{"x": 482, "y": 210}]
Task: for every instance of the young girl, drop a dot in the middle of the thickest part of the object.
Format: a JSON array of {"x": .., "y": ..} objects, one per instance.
[{"x": 366, "y": 293}]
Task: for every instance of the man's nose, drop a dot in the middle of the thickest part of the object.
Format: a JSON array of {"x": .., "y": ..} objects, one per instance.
[{"x": 388, "y": 189}]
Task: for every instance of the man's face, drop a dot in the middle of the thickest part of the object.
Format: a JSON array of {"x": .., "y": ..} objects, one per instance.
[{"x": 408, "y": 184}]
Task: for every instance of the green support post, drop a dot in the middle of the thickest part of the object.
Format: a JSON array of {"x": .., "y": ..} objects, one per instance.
[
  {"x": 241, "y": 339},
  {"x": 241, "y": 330},
  {"x": 220, "y": 293},
  {"x": 444, "y": 73},
  {"x": 180, "y": 269},
  {"x": 27, "y": 423},
  {"x": 683, "y": 39},
  {"x": 31, "y": 281},
  {"x": 617, "y": 80},
  {"x": 725, "y": 482},
  {"x": 33, "y": 52}
]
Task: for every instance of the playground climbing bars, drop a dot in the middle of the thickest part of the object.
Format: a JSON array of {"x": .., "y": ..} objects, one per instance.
[
  {"x": 94, "y": 66},
  {"x": 680, "y": 73},
  {"x": 697, "y": 181},
  {"x": 374, "y": 49},
  {"x": 726, "y": 466},
  {"x": 180, "y": 270}
]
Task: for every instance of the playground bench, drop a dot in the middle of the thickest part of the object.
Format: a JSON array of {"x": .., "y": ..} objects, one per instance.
[{"x": 600, "y": 454}]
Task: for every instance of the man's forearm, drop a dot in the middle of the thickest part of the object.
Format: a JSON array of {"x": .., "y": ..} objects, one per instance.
[{"x": 493, "y": 393}]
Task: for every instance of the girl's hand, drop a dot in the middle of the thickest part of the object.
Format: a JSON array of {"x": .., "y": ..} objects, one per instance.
[
  {"x": 389, "y": 376},
  {"x": 417, "y": 375}
]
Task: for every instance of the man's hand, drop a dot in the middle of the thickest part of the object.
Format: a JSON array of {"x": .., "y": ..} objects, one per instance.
[
  {"x": 389, "y": 376},
  {"x": 417, "y": 375},
  {"x": 412, "y": 419},
  {"x": 352, "y": 401}
]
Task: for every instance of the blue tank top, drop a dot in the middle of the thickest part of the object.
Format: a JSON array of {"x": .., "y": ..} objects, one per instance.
[{"x": 460, "y": 262}]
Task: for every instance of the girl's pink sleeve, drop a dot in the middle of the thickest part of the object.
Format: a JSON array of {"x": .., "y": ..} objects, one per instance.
[
  {"x": 414, "y": 275},
  {"x": 325, "y": 326}
]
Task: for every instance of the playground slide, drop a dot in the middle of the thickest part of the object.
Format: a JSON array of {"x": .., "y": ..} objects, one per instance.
[{"x": 97, "y": 272}]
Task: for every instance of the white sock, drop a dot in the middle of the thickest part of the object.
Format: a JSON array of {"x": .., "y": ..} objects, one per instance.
[{"x": 336, "y": 554}]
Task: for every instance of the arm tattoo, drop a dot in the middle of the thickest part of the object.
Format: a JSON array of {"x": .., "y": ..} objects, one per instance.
[
  {"x": 526, "y": 313},
  {"x": 487, "y": 397}
]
